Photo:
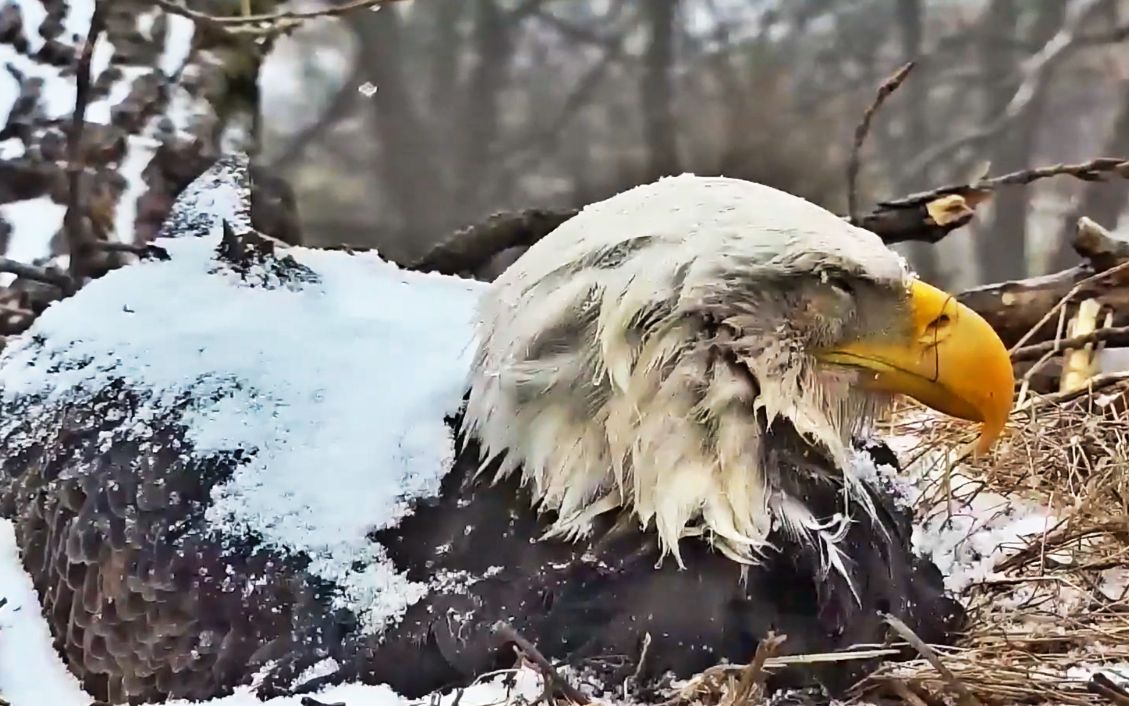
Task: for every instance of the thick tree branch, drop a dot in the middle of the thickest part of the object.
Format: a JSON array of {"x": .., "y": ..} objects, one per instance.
[
  {"x": 46, "y": 275},
  {"x": 1023, "y": 311},
  {"x": 926, "y": 216},
  {"x": 472, "y": 247},
  {"x": 929, "y": 216}
]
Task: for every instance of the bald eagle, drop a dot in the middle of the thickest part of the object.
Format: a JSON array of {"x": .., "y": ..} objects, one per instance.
[{"x": 667, "y": 405}]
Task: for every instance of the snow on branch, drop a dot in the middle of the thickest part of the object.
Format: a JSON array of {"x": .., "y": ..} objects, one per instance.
[{"x": 271, "y": 24}]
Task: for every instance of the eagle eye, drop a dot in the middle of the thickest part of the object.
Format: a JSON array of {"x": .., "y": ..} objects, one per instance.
[{"x": 841, "y": 283}]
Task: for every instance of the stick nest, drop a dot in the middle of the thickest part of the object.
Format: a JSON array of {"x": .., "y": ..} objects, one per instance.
[{"x": 1049, "y": 617}]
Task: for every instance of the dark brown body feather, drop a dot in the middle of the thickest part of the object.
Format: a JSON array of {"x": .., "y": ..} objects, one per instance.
[{"x": 145, "y": 603}]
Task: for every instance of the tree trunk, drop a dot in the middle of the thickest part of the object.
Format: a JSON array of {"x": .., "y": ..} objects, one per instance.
[
  {"x": 407, "y": 163},
  {"x": 660, "y": 131},
  {"x": 479, "y": 132},
  {"x": 126, "y": 184},
  {"x": 1002, "y": 249},
  {"x": 910, "y": 16}
]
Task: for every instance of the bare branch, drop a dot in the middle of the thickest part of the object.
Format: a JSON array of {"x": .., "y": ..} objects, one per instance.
[
  {"x": 1104, "y": 686},
  {"x": 1024, "y": 310},
  {"x": 926, "y": 216},
  {"x": 888, "y": 86},
  {"x": 46, "y": 275},
  {"x": 1036, "y": 70},
  {"x": 755, "y": 674},
  {"x": 929, "y": 216},
  {"x": 266, "y": 24},
  {"x": 904, "y": 631},
  {"x": 1094, "y": 170},
  {"x": 472, "y": 247},
  {"x": 74, "y": 222},
  {"x": 1116, "y": 335},
  {"x": 548, "y": 672}
]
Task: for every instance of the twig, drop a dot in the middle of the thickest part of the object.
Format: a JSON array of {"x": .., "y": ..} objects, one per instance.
[
  {"x": 46, "y": 275},
  {"x": 1104, "y": 686},
  {"x": 73, "y": 220},
  {"x": 644, "y": 651},
  {"x": 888, "y": 86},
  {"x": 1065, "y": 299},
  {"x": 1093, "y": 170},
  {"x": 140, "y": 249},
  {"x": 927, "y": 652},
  {"x": 1098, "y": 382},
  {"x": 1117, "y": 335},
  {"x": 245, "y": 24},
  {"x": 754, "y": 675},
  {"x": 550, "y": 674}
]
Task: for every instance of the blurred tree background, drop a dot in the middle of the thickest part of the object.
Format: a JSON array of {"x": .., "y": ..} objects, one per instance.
[{"x": 399, "y": 125}]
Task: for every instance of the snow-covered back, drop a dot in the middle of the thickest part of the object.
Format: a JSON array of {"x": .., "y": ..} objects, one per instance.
[{"x": 339, "y": 384}]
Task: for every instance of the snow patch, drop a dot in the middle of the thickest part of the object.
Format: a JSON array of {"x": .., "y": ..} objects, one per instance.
[
  {"x": 968, "y": 535},
  {"x": 34, "y": 223},
  {"x": 30, "y": 670}
]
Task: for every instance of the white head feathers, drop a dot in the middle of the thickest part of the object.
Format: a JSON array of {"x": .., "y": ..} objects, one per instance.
[{"x": 632, "y": 359}]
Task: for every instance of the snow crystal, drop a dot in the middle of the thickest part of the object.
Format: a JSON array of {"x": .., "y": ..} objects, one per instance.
[
  {"x": 883, "y": 477},
  {"x": 341, "y": 385}
]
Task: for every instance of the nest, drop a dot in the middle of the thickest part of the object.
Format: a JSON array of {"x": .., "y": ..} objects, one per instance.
[{"x": 1048, "y": 612}]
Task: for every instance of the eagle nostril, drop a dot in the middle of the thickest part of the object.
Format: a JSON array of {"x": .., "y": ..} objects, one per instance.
[{"x": 940, "y": 322}]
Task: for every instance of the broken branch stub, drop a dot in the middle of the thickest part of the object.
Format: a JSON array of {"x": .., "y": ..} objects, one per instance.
[
  {"x": 1017, "y": 307},
  {"x": 255, "y": 258}
]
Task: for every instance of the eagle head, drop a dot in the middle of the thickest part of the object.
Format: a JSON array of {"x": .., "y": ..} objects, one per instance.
[{"x": 641, "y": 358}]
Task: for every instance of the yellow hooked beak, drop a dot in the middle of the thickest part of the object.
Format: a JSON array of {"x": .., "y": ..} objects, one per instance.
[{"x": 953, "y": 362}]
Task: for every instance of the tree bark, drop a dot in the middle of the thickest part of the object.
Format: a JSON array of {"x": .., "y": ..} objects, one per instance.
[
  {"x": 911, "y": 17},
  {"x": 407, "y": 163},
  {"x": 1002, "y": 249},
  {"x": 494, "y": 48},
  {"x": 660, "y": 130}
]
